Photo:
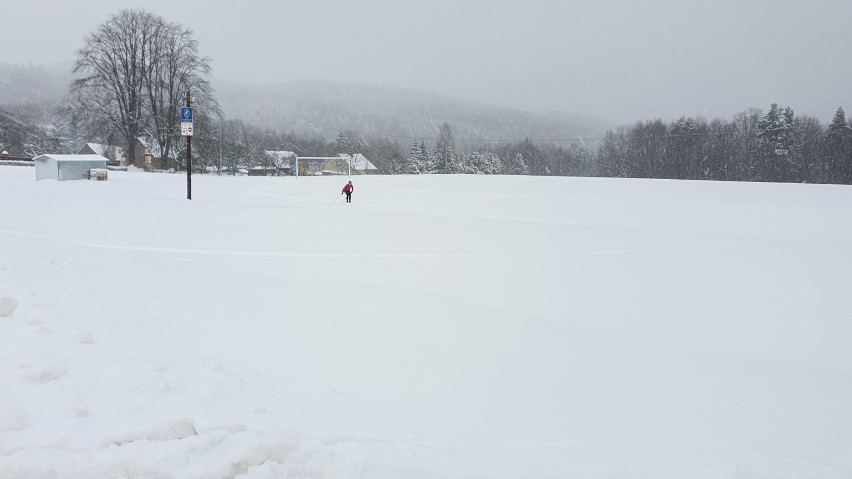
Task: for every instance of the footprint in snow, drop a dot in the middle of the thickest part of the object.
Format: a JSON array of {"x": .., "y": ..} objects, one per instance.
[
  {"x": 84, "y": 337},
  {"x": 47, "y": 374},
  {"x": 13, "y": 419},
  {"x": 8, "y": 306}
]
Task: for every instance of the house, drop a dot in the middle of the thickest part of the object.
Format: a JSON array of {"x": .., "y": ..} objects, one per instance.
[
  {"x": 5, "y": 159},
  {"x": 114, "y": 154},
  {"x": 282, "y": 161},
  {"x": 356, "y": 164},
  {"x": 257, "y": 171},
  {"x": 148, "y": 153},
  {"x": 67, "y": 167},
  {"x": 237, "y": 171},
  {"x": 311, "y": 165}
]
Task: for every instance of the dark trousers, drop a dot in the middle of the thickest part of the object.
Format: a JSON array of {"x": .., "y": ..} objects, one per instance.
[{"x": 349, "y": 197}]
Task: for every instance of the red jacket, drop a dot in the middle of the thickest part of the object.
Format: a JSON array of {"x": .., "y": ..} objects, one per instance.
[{"x": 348, "y": 188}]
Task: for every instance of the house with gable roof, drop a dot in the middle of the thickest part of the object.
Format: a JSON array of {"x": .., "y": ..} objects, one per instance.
[
  {"x": 357, "y": 164},
  {"x": 148, "y": 152},
  {"x": 282, "y": 161},
  {"x": 114, "y": 154}
]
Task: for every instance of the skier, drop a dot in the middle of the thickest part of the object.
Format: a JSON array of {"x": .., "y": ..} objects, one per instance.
[{"x": 348, "y": 190}]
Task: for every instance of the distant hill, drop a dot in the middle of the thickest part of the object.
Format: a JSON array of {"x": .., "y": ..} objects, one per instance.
[
  {"x": 25, "y": 84},
  {"x": 14, "y": 132},
  {"x": 325, "y": 108}
]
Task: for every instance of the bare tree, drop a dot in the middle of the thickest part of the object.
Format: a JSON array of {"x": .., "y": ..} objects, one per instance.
[
  {"x": 134, "y": 71},
  {"x": 115, "y": 60},
  {"x": 176, "y": 67}
]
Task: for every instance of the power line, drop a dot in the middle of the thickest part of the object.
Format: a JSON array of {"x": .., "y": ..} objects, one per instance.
[
  {"x": 559, "y": 140},
  {"x": 533, "y": 140}
]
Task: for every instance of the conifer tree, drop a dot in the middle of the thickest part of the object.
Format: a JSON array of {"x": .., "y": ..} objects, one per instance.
[
  {"x": 775, "y": 142},
  {"x": 683, "y": 150},
  {"x": 838, "y": 149},
  {"x": 519, "y": 165},
  {"x": 412, "y": 163},
  {"x": 444, "y": 160},
  {"x": 424, "y": 161},
  {"x": 481, "y": 163}
]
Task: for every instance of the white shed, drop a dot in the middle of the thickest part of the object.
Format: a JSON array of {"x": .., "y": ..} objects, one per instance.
[{"x": 67, "y": 167}]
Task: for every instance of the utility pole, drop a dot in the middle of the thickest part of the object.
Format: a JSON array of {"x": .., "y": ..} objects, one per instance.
[{"x": 189, "y": 153}]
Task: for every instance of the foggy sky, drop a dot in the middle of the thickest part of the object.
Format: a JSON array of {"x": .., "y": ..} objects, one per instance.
[{"x": 619, "y": 60}]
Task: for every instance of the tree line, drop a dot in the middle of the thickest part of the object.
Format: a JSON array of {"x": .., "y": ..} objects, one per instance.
[{"x": 775, "y": 146}]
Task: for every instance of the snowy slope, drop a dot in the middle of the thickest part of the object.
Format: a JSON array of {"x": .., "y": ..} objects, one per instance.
[
  {"x": 476, "y": 327},
  {"x": 326, "y": 108}
]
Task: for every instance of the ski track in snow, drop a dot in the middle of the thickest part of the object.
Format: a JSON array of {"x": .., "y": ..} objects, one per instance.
[
  {"x": 329, "y": 255},
  {"x": 721, "y": 237},
  {"x": 231, "y": 252}
]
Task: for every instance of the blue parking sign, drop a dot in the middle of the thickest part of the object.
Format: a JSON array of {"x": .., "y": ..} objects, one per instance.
[{"x": 186, "y": 115}]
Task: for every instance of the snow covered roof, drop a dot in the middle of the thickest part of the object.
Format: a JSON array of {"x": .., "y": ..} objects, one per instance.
[
  {"x": 359, "y": 162},
  {"x": 108, "y": 151},
  {"x": 281, "y": 158},
  {"x": 151, "y": 146},
  {"x": 97, "y": 148},
  {"x": 281, "y": 153},
  {"x": 70, "y": 157}
]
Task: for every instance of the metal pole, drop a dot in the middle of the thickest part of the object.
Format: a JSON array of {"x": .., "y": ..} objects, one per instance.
[
  {"x": 221, "y": 132},
  {"x": 188, "y": 155}
]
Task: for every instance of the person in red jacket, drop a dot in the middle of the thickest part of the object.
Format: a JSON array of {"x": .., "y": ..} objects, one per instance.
[{"x": 348, "y": 190}]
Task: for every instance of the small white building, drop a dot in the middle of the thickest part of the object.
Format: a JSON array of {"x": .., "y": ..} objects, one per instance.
[{"x": 67, "y": 167}]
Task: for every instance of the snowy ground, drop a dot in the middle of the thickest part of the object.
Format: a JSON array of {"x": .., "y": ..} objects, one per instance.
[{"x": 437, "y": 327}]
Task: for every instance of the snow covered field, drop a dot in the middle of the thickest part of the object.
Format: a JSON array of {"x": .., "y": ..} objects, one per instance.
[{"x": 437, "y": 327}]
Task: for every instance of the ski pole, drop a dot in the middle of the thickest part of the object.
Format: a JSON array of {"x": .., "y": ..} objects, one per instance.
[{"x": 338, "y": 197}]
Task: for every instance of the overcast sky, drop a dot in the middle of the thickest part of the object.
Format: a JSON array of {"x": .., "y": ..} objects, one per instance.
[{"x": 618, "y": 60}]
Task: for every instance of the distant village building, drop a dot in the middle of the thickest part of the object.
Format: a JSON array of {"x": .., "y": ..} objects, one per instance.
[
  {"x": 150, "y": 157},
  {"x": 147, "y": 155},
  {"x": 6, "y": 159},
  {"x": 356, "y": 164},
  {"x": 114, "y": 154},
  {"x": 258, "y": 171},
  {"x": 283, "y": 162}
]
